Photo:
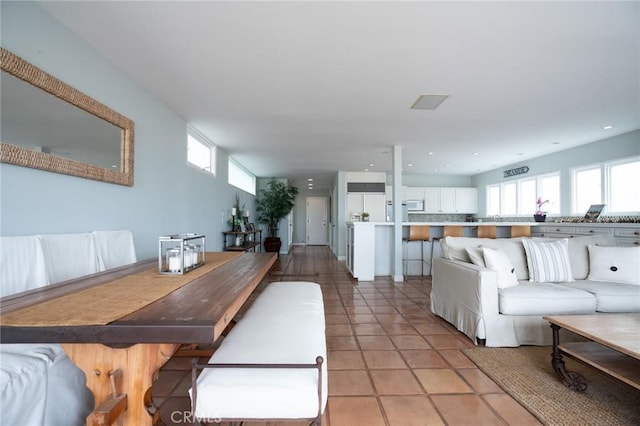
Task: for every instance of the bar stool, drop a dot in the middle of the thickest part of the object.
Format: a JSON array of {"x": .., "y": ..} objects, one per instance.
[
  {"x": 448, "y": 231},
  {"x": 416, "y": 233},
  {"x": 520, "y": 231},
  {"x": 487, "y": 231}
]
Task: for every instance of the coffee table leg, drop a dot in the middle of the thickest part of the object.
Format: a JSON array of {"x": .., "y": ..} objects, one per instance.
[{"x": 572, "y": 380}]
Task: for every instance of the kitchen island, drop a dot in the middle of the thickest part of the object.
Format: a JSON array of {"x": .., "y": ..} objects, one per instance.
[{"x": 370, "y": 245}]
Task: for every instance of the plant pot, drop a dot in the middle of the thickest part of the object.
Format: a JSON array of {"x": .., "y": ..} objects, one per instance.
[
  {"x": 540, "y": 217},
  {"x": 272, "y": 244}
]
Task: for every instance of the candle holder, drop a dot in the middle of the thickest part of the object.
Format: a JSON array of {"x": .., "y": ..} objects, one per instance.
[{"x": 180, "y": 253}]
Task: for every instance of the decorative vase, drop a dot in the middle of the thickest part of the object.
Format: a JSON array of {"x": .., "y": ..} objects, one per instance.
[{"x": 540, "y": 217}]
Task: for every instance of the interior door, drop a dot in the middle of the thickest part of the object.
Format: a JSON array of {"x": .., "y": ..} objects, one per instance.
[{"x": 316, "y": 221}]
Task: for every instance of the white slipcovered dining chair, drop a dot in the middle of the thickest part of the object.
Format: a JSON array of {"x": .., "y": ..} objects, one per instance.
[
  {"x": 114, "y": 248},
  {"x": 69, "y": 256},
  {"x": 22, "y": 265}
]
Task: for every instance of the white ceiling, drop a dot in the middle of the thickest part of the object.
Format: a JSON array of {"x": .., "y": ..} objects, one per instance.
[{"x": 304, "y": 89}]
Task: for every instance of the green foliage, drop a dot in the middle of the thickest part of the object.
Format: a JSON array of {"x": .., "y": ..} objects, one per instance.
[{"x": 275, "y": 203}]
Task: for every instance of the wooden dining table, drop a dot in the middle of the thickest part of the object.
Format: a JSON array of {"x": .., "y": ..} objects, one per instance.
[{"x": 120, "y": 326}]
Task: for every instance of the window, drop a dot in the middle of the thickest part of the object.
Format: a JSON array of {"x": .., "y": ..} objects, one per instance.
[
  {"x": 241, "y": 177},
  {"x": 508, "y": 207},
  {"x": 201, "y": 152},
  {"x": 527, "y": 193},
  {"x": 518, "y": 197},
  {"x": 612, "y": 183},
  {"x": 587, "y": 188},
  {"x": 549, "y": 189},
  {"x": 624, "y": 195},
  {"x": 493, "y": 200}
]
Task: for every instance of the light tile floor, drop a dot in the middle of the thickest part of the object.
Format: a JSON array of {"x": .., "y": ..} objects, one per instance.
[{"x": 391, "y": 361}]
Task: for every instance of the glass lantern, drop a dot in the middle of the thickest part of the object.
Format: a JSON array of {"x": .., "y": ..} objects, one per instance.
[{"x": 180, "y": 253}]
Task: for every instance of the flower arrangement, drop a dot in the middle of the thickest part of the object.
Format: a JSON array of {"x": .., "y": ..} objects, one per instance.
[{"x": 539, "y": 204}]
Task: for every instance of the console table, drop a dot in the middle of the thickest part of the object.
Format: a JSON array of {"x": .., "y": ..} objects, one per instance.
[
  {"x": 143, "y": 318},
  {"x": 249, "y": 240}
]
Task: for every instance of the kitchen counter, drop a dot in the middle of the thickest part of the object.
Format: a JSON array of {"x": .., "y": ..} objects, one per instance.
[{"x": 370, "y": 245}]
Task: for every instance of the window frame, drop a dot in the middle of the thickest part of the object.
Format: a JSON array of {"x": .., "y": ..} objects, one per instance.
[
  {"x": 213, "y": 154},
  {"x": 517, "y": 183},
  {"x": 605, "y": 184},
  {"x": 247, "y": 173}
]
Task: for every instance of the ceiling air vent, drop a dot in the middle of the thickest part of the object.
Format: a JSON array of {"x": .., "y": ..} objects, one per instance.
[{"x": 429, "y": 101}]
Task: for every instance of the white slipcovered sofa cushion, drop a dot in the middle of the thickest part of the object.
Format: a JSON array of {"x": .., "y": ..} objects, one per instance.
[
  {"x": 611, "y": 297},
  {"x": 545, "y": 299}
]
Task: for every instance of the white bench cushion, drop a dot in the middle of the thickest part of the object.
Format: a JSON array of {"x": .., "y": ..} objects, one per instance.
[{"x": 284, "y": 325}]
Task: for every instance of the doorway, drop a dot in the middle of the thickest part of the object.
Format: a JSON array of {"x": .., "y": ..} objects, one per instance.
[{"x": 316, "y": 221}]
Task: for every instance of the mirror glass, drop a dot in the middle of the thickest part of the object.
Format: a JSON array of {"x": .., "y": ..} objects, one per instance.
[{"x": 48, "y": 125}]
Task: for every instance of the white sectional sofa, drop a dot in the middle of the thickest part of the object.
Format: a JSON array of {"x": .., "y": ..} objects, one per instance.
[
  {"x": 39, "y": 384},
  {"x": 496, "y": 292}
]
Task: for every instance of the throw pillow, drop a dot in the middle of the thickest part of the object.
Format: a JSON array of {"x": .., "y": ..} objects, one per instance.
[
  {"x": 476, "y": 256},
  {"x": 548, "y": 262},
  {"x": 614, "y": 264},
  {"x": 497, "y": 261}
]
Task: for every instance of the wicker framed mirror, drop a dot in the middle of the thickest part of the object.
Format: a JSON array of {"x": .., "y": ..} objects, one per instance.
[{"x": 49, "y": 125}]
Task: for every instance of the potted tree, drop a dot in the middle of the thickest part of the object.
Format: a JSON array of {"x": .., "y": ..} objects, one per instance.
[{"x": 275, "y": 203}]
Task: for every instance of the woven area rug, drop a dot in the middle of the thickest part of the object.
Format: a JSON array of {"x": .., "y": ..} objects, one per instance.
[{"x": 526, "y": 374}]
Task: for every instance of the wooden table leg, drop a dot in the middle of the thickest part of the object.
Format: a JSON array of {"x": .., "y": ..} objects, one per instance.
[{"x": 139, "y": 363}]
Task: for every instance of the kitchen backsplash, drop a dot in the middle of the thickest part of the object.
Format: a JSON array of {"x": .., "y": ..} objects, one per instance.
[{"x": 550, "y": 219}]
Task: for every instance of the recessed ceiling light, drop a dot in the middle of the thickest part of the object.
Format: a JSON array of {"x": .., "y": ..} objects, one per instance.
[
  {"x": 370, "y": 164},
  {"x": 435, "y": 170},
  {"x": 310, "y": 179},
  {"x": 476, "y": 153},
  {"x": 447, "y": 165},
  {"x": 430, "y": 102},
  {"x": 410, "y": 165},
  {"x": 366, "y": 170},
  {"x": 430, "y": 153},
  {"x": 607, "y": 127}
]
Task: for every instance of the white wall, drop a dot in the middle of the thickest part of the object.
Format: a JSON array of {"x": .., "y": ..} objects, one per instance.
[
  {"x": 625, "y": 145},
  {"x": 168, "y": 196}
]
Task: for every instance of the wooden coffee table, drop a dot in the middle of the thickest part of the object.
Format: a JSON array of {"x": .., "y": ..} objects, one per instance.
[{"x": 613, "y": 347}]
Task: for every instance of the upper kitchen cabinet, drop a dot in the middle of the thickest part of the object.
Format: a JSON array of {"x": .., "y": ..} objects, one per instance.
[
  {"x": 451, "y": 200},
  {"x": 416, "y": 194},
  {"x": 389, "y": 193}
]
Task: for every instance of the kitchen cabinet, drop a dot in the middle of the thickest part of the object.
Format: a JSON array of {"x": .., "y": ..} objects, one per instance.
[
  {"x": 414, "y": 193},
  {"x": 389, "y": 193},
  {"x": 451, "y": 200},
  {"x": 374, "y": 204},
  {"x": 466, "y": 200},
  {"x": 626, "y": 234}
]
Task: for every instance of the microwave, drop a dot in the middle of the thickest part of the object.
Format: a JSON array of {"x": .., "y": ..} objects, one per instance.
[{"x": 415, "y": 205}]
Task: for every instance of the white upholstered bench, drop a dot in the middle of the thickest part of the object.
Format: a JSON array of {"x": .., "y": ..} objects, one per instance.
[{"x": 271, "y": 365}]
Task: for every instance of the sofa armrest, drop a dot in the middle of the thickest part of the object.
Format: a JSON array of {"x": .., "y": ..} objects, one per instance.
[{"x": 465, "y": 295}]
